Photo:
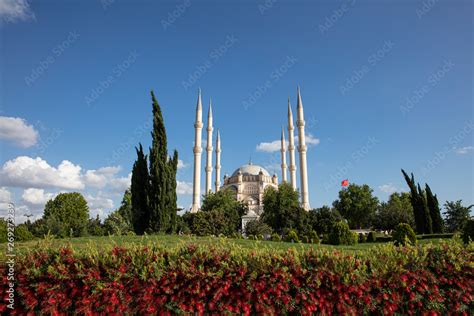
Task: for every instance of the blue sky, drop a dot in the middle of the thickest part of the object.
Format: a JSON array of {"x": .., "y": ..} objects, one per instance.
[{"x": 385, "y": 85}]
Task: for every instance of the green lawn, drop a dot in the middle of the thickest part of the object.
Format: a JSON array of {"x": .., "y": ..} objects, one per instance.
[{"x": 172, "y": 241}]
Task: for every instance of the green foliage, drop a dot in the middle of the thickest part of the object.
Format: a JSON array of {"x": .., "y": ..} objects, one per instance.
[
  {"x": 276, "y": 237},
  {"x": 116, "y": 225},
  {"x": 257, "y": 227},
  {"x": 362, "y": 238},
  {"x": 398, "y": 209},
  {"x": 94, "y": 227},
  {"x": 139, "y": 192},
  {"x": 3, "y": 230},
  {"x": 357, "y": 205},
  {"x": 224, "y": 203},
  {"x": 292, "y": 236},
  {"x": 22, "y": 233},
  {"x": 421, "y": 212},
  {"x": 468, "y": 231},
  {"x": 182, "y": 226},
  {"x": 322, "y": 219},
  {"x": 314, "y": 238},
  {"x": 435, "y": 213},
  {"x": 403, "y": 235},
  {"x": 70, "y": 210},
  {"x": 162, "y": 189},
  {"x": 371, "y": 237},
  {"x": 341, "y": 235},
  {"x": 456, "y": 215}
]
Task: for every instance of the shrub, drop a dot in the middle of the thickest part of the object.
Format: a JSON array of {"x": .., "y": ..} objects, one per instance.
[
  {"x": 276, "y": 237},
  {"x": 371, "y": 237},
  {"x": 251, "y": 237},
  {"x": 468, "y": 231},
  {"x": 292, "y": 236},
  {"x": 260, "y": 237},
  {"x": 404, "y": 234},
  {"x": 314, "y": 238},
  {"x": 383, "y": 238},
  {"x": 362, "y": 238},
  {"x": 257, "y": 227},
  {"x": 22, "y": 233},
  {"x": 236, "y": 236},
  {"x": 341, "y": 235}
]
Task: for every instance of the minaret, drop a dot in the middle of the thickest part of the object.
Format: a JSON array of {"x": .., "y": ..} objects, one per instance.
[
  {"x": 302, "y": 151},
  {"x": 197, "y": 157},
  {"x": 283, "y": 156},
  {"x": 291, "y": 146},
  {"x": 218, "y": 161},
  {"x": 209, "y": 150}
]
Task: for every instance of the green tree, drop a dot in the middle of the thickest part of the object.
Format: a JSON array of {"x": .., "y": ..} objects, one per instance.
[
  {"x": 403, "y": 234},
  {"x": 71, "y": 211},
  {"x": 116, "y": 225},
  {"x": 257, "y": 228},
  {"x": 340, "y": 234},
  {"x": 162, "y": 192},
  {"x": 357, "y": 205},
  {"x": 427, "y": 222},
  {"x": 456, "y": 215},
  {"x": 125, "y": 208},
  {"x": 322, "y": 219},
  {"x": 421, "y": 212},
  {"x": 94, "y": 227},
  {"x": 435, "y": 213},
  {"x": 398, "y": 209},
  {"x": 139, "y": 194}
]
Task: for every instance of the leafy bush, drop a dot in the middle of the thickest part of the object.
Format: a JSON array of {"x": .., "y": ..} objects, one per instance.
[
  {"x": 257, "y": 227},
  {"x": 341, "y": 235},
  {"x": 468, "y": 231},
  {"x": 116, "y": 225},
  {"x": 432, "y": 279},
  {"x": 22, "y": 233},
  {"x": 404, "y": 234},
  {"x": 276, "y": 237},
  {"x": 314, "y": 238},
  {"x": 383, "y": 238},
  {"x": 371, "y": 237},
  {"x": 292, "y": 236},
  {"x": 362, "y": 238}
]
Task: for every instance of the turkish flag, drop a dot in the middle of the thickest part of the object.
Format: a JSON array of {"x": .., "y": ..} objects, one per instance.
[{"x": 345, "y": 183}]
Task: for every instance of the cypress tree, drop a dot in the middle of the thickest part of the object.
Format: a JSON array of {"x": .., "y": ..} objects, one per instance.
[
  {"x": 173, "y": 169},
  {"x": 414, "y": 202},
  {"x": 139, "y": 191},
  {"x": 435, "y": 213},
  {"x": 425, "y": 212},
  {"x": 162, "y": 193}
]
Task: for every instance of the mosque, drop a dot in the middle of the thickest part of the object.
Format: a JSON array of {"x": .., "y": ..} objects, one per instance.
[{"x": 249, "y": 181}]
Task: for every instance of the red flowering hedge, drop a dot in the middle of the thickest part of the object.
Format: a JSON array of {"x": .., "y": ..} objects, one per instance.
[{"x": 433, "y": 279}]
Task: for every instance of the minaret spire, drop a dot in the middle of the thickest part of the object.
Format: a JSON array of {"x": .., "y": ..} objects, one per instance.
[
  {"x": 218, "y": 161},
  {"x": 209, "y": 150},
  {"x": 197, "y": 156},
  {"x": 283, "y": 155},
  {"x": 302, "y": 153},
  {"x": 291, "y": 146}
]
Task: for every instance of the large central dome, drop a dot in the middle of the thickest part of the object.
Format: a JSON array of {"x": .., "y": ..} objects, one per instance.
[{"x": 250, "y": 170}]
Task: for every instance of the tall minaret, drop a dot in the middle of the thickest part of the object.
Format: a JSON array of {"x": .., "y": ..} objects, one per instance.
[
  {"x": 283, "y": 156},
  {"x": 291, "y": 146},
  {"x": 197, "y": 157},
  {"x": 218, "y": 161},
  {"x": 209, "y": 150},
  {"x": 302, "y": 151}
]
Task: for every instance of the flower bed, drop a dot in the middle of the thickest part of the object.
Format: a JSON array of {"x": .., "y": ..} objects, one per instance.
[{"x": 437, "y": 279}]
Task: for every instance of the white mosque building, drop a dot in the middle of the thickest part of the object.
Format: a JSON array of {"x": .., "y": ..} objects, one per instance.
[{"x": 249, "y": 181}]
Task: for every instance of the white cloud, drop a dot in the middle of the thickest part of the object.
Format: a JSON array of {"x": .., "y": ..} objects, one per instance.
[
  {"x": 101, "y": 177},
  {"x": 36, "y": 197},
  {"x": 27, "y": 172},
  {"x": 184, "y": 188},
  {"x": 275, "y": 145},
  {"x": 16, "y": 130},
  {"x": 12, "y": 10},
  {"x": 99, "y": 204},
  {"x": 121, "y": 184},
  {"x": 464, "y": 150},
  {"x": 388, "y": 188},
  {"x": 5, "y": 195},
  {"x": 181, "y": 164}
]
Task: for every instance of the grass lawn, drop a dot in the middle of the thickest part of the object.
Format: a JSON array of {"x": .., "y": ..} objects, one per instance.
[{"x": 172, "y": 241}]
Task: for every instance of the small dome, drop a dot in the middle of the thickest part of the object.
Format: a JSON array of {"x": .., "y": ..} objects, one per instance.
[{"x": 250, "y": 170}]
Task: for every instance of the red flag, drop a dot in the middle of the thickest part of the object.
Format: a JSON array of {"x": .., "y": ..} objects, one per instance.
[{"x": 345, "y": 183}]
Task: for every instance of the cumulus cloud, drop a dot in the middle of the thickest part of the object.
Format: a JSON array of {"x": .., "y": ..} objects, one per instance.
[
  {"x": 36, "y": 197},
  {"x": 13, "y": 10},
  {"x": 388, "y": 188},
  {"x": 17, "y": 131},
  {"x": 101, "y": 177},
  {"x": 184, "y": 188},
  {"x": 121, "y": 184},
  {"x": 464, "y": 150},
  {"x": 181, "y": 164},
  {"x": 5, "y": 195},
  {"x": 275, "y": 145},
  {"x": 26, "y": 172},
  {"x": 99, "y": 204}
]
